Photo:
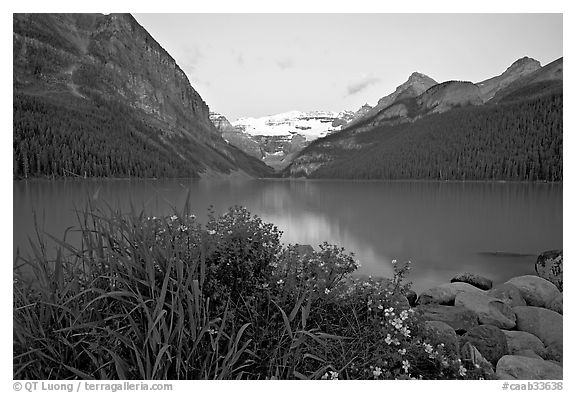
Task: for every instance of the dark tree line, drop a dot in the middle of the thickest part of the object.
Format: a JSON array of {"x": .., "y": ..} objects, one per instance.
[
  {"x": 513, "y": 141},
  {"x": 103, "y": 140}
]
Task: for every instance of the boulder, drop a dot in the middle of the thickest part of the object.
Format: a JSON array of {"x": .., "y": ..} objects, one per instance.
[
  {"x": 543, "y": 323},
  {"x": 473, "y": 359},
  {"x": 459, "y": 318},
  {"x": 535, "y": 290},
  {"x": 473, "y": 279},
  {"x": 553, "y": 353},
  {"x": 521, "y": 341},
  {"x": 446, "y": 293},
  {"x": 556, "y": 304},
  {"x": 412, "y": 297},
  {"x": 526, "y": 368},
  {"x": 528, "y": 353},
  {"x": 549, "y": 266},
  {"x": 508, "y": 293},
  {"x": 445, "y": 334},
  {"x": 490, "y": 311},
  {"x": 489, "y": 340}
]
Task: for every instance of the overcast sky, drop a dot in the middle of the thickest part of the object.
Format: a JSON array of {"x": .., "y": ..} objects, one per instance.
[{"x": 261, "y": 64}]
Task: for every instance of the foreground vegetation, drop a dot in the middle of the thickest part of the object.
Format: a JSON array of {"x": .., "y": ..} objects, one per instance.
[{"x": 169, "y": 298}]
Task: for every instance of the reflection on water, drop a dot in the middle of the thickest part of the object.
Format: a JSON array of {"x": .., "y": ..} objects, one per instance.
[{"x": 441, "y": 227}]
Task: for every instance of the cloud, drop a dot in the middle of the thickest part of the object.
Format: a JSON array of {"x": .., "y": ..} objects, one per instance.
[
  {"x": 284, "y": 64},
  {"x": 362, "y": 84}
]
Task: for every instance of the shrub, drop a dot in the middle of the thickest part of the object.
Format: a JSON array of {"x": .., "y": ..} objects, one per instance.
[{"x": 169, "y": 298}]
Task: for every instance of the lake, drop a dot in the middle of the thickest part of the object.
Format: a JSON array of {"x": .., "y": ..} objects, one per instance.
[{"x": 493, "y": 229}]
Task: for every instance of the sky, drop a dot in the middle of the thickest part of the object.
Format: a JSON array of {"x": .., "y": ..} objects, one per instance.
[{"x": 252, "y": 65}]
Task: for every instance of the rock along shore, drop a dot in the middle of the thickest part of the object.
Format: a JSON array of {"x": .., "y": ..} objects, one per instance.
[{"x": 512, "y": 330}]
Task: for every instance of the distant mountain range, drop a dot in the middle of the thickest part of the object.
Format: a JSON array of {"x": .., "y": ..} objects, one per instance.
[
  {"x": 96, "y": 95},
  {"x": 506, "y": 127},
  {"x": 276, "y": 139}
]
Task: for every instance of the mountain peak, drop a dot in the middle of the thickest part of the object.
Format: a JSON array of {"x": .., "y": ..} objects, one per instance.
[
  {"x": 525, "y": 61},
  {"x": 418, "y": 75}
]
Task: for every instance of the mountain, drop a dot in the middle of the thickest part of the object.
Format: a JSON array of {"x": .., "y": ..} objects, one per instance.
[
  {"x": 416, "y": 84},
  {"x": 276, "y": 139},
  {"x": 540, "y": 82},
  {"x": 311, "y": 125},
  {"x": 518, "y": 69},
  {"x": 449, "y": 132},
  {"x": 236, "y": 137},
  {"x": 96, "y": 95}
]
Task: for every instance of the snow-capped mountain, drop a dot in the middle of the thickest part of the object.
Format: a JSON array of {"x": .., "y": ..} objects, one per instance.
[{"x": 311, "y": 125}]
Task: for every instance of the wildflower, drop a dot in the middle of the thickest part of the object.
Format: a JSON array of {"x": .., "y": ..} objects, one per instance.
[
  {"x": 192, "y": 216},
  {"x": 405, "y": 331},
  {"x": 402, "y": 351},
  {"x": 462, "y": 371},
  {"x": 388, "y": 340},
  {"x": 393, "y": 261},
  {"x": 405, "y": 365},
  {"x": 428, "y": 348},
  {"x": 280, "y": 282},
  {"x": 211, "y": 232},
  {"x": 174, "y": 218},
  {"x": 377, "y": 372},
  {"x": 333, "y": 374},
  {"x": 380, "y": 307},
  {"x": 182, "y": 228},
  {"x": 211, "y": 331},
  {"x": 326, "y": 291}
]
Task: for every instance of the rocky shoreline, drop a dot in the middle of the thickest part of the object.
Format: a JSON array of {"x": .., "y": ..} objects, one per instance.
[{"x": 512, "y": 330}]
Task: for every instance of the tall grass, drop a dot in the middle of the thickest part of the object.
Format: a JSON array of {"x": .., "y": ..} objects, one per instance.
[{"x": 168, "y": 298}]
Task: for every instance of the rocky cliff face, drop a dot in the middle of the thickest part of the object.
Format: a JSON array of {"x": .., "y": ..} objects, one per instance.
[
  {"x": 91, "y": 57},
  {"x": 542, "y": 81},
  {"x": 237, "y": 137},
  {"x": 416, "y": 84},
  {"x": 445, "y": 96},
  {"x": 521, "y": 67}
]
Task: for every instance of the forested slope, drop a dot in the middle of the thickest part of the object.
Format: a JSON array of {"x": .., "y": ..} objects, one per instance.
[{"x": 517, "y": 140}]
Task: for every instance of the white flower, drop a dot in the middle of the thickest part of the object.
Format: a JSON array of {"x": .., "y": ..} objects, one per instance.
[
  {"x": 402, "y": 351},
  {"x": 388, "y": 340},
  {"x": 462, "y": 371},
  {"x": 405, "y": 365},
  {"x": 174, "y": 218},
  {"x": 280, "y": 282},
  {"x": 333, "y": 374},
  {"x": 428, "y": 348},
  {"x": 377, "y": 372},
  {"x": 211, "y": 232},
  {"x": 326, "y": 291}
]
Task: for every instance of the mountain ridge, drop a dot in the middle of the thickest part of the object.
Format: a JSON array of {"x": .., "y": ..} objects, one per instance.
[
  {"x": 71, "y": 61},
  {"x": 537, "y": 98}
]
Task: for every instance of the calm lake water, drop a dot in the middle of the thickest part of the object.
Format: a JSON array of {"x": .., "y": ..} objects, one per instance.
[{"x": 493, "y": 229}]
